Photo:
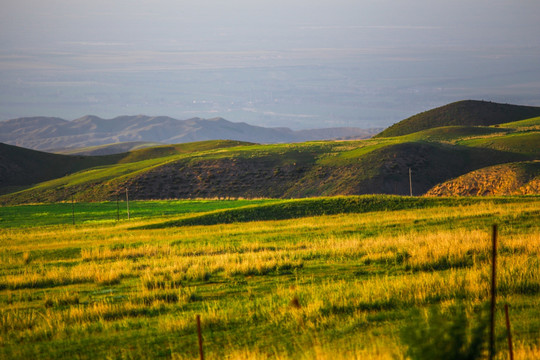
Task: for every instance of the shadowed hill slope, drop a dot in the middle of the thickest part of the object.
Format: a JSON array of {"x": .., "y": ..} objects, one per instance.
[
  {"x": 467, "y": 113},
  {"x": 21, "y": 167},
  {"x": 386, "y": 169}
]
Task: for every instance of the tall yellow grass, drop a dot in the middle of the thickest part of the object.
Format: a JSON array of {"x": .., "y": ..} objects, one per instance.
[{"x": 343, "y": 270}]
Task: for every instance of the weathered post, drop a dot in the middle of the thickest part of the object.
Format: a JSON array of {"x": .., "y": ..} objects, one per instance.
[
  {"x": 493, "y": 292},
  {"x": 510, "y": 348},
  {"x": 199, "y": 335},
  {"x": 117, "y": 208}
]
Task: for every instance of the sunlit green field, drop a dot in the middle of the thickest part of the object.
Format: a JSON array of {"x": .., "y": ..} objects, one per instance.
[
  {"x": 67, "y": 213},
  {"x": 336, "y": 286}
]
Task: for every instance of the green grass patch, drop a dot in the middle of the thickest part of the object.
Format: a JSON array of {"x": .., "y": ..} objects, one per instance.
[
  {"x": 452, "y": 133},
  {"x": 519, "y": 143},
  {"x": 109, "y": 211},
  {"x": 291, "y": 209},
  {"x": 522, "y": 123}
]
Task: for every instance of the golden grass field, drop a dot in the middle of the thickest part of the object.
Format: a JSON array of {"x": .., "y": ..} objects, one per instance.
[{"x": 106, "y": 290}]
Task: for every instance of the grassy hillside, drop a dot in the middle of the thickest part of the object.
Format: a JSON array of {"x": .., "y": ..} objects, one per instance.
[
  {"x": 533, "y": 123},
  {"x": 185, "y": 148},
  {"x": 527, "y": 143},
  {"x": 467, "y": 113},
  {"x": 107, "y": 149},
  {"x": 338, "y": 287},
  {"x": 454, "y": 133},
  {"x": 274, "y": 171},
  {"x": 20, "y": 167},
  {"x": 508, "y": 179}
]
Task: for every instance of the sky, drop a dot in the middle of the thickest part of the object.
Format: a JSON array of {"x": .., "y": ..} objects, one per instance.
[{"x": 294, "y": 63}]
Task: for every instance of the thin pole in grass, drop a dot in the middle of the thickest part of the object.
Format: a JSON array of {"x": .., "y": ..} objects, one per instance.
[
  {"x": 493, "y": 292},
  {"x": 72, "y": 210},
  {"x": 199, "y": 335},
  {"x": 117, "y": 208},
  {"x": 410, "y": 181},
  {"x": 127, "y": 203},
  {"x": 510, "y": 348}
]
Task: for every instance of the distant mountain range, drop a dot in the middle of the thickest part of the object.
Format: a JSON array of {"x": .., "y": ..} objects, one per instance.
[{"x": 50, "y": 133}]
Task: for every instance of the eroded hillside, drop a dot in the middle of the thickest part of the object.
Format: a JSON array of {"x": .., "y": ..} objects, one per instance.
[{"x": 522, "y": 178}]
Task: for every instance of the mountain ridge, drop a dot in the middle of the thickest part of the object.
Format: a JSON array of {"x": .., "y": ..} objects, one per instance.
[{"x": 46, "y": 133}]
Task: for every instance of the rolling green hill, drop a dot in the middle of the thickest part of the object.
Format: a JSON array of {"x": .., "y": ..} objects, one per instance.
[
  {"x": 20, "y": 167},
  {"x": 467, "y": 113},
  {"x": 232, "y": 169},
  {"x": 108, "y": 149},
  {"x": 184, "y": 148}
]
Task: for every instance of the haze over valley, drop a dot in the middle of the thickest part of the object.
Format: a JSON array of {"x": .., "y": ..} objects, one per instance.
[{"x": 299, "y": 64}]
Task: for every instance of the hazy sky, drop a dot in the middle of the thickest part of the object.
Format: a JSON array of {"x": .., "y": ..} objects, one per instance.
[{"x": 297, "y": 63}]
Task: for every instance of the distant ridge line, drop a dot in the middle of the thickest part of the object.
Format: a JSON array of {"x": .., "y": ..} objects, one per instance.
[{"x": 45, "y": 133}]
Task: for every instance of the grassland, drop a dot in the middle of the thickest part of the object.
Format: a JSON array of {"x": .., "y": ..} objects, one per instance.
[
  {"x": 24, "y": 216},
  {"x": 333, "y": 286}
]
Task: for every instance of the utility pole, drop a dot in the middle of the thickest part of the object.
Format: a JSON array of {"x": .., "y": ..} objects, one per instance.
[
  {"x": 127, "y": 202},
  {"x": 410, "y": 182}
]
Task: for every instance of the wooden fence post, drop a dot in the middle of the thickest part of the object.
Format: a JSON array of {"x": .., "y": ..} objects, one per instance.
[
  {"x": 201, "y": 354},
  {"x": 510, "y": 349},
  {"x": 493, "y": 292}
]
